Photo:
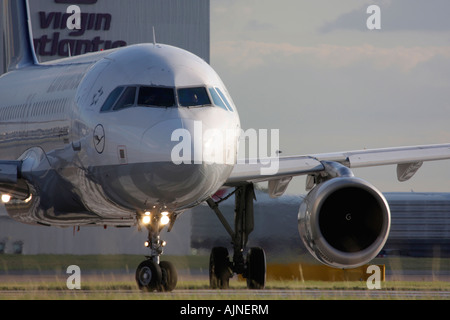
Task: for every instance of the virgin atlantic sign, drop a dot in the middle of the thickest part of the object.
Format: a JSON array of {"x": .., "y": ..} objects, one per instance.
[{"x": 55, "y": 42}]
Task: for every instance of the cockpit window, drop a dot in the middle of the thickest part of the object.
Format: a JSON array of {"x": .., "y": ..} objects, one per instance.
[
  {"x": 127, "y": 99},
  {"x": 219, "y": 99},
  {"x": 111, "y": 100},
  {"x": 222, "y": 95},
  {"x": 192, "y": 97},
  {"x": 156, "y": 97},
  {"x": 216, "y": 98}
]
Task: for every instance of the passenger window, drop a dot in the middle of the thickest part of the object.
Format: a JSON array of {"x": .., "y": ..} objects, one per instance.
[
  {"x": 111, "y": 100},
  {"x": 127, "y": 99},
  {"x": 225, "y": 99},
  {"x": 156, "y": 97},
  {"x": 192, "y": 97},
  {"x": 217, "y": 101}
]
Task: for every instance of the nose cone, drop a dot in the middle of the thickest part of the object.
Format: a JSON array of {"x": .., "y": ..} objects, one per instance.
[
  {"x": 157, "y": 144},
  {"x": 178, "y": 167}
]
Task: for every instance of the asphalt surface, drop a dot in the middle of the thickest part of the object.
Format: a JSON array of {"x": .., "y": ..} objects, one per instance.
[{"x": 202, "y": 294}]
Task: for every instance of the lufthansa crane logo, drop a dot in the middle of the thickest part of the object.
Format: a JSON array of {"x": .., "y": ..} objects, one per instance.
[{"x": 99, "y": 138}]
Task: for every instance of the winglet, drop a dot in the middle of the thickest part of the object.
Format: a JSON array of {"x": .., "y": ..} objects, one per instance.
[{"x": 18, "y": 36}]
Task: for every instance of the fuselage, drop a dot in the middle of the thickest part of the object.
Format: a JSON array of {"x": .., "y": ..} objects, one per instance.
[{"x": 111, "y": 134}]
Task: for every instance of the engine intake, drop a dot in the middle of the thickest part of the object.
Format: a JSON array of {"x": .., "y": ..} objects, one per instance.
[{"x": 344, "y": 222}]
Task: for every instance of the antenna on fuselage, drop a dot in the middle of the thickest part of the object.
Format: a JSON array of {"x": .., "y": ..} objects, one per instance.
[{"x": 154, "y": 36}]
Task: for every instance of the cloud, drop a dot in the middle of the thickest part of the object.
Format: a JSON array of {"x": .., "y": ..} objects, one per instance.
[
  {"x": 398, "y": 15},
  {"x": 256, "y": 25},
  {"x": 245, "y": 55}
]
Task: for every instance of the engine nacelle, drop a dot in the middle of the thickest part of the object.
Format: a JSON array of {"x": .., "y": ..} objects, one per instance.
[{"x": 344, "y": 222}]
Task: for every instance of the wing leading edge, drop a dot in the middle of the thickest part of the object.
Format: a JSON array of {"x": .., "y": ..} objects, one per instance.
[{"x": 408, "y": 161}]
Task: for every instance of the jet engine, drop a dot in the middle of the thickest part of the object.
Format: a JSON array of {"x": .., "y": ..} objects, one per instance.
[{"x": 344, "y": 222}]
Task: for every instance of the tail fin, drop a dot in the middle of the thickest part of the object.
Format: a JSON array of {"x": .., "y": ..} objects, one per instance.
[{"x": 18, "y": 38}]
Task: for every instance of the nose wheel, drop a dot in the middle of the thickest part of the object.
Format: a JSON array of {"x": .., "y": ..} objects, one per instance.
[
  {"x": 148, "y": 276},
  {"x": 153, "y": 274},
  {"x": 161, "y": 277}
]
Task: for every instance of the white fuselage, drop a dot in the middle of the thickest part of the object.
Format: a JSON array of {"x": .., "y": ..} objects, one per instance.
[{"x": 97, "y": 148}]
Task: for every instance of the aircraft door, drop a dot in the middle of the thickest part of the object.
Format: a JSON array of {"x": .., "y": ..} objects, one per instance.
[{"x": 89, "y": 93}]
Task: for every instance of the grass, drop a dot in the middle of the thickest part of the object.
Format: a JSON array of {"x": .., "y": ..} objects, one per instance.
[
  {"x": 396, "y": 263},
  {"x": 49, "y": 279},
  {"x": 59, "y": 263}
]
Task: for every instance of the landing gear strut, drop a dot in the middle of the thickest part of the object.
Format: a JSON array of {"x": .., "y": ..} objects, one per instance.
[
  {"x": 153, "y": 274},
  {"x": 221, "y": 267}
]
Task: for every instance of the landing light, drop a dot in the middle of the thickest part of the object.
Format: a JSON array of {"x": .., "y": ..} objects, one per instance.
[
  {"x": 164, "y": 220},
  {"x": 6, "y": 198},
  {"x": 146, "y": 218}
]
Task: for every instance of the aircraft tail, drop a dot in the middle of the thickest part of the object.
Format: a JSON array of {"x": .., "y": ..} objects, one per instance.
[{"x": 18, "y": 38}]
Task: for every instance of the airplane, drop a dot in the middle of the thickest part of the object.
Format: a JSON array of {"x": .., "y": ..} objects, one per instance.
[{"x": 90, "y": 141}]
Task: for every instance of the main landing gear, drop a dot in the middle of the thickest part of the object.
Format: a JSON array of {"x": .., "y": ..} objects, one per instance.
[
  {"x": 153, "y": 274},
  {"x": 221, "y": 266}
]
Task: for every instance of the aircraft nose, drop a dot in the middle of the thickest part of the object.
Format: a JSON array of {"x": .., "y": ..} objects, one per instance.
[
  {"x": 189, "y": 141},
  {"x": 157, "y": 144},
  {"x": 173, "y": 170}
]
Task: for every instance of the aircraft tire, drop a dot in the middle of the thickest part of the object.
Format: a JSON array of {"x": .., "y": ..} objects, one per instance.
[
  {"x": 169, "y": 276},
  {"x": 219, "y": 271},
  {"x": 256, "y": 269},
  {"x": 148, "y": 276}
]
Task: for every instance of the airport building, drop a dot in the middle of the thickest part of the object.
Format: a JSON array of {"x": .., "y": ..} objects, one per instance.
[
  {"x": 104, "y": 24},
  {"x": 107, "y": 24}
]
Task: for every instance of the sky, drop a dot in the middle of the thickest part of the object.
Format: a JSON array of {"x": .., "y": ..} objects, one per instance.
[{"x": 313, "y": 70}]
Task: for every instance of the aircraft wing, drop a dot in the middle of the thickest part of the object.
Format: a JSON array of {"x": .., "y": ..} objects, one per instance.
[{"x": 407, "y": 159}]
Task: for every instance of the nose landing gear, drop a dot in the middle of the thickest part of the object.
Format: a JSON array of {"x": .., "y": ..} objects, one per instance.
[{"x": 153, "y": 274}]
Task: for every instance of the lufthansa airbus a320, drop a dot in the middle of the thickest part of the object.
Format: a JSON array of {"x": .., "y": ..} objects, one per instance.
[{"x": 89, "y": 140}]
